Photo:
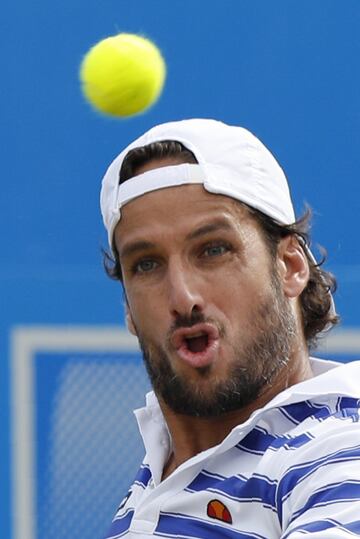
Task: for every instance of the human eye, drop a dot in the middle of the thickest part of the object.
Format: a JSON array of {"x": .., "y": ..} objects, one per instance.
[
  {"x": 216, "y": 249},
  {"x": 146, "y": 265}
]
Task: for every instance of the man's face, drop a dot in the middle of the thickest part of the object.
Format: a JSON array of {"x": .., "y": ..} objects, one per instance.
[{"x": 204, "y": 297}]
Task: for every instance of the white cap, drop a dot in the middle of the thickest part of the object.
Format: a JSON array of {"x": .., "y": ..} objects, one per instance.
[{"x": 231, "y": 162}]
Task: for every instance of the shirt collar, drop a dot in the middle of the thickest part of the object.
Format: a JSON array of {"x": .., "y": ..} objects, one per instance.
[{"x": 330, "y": 378}]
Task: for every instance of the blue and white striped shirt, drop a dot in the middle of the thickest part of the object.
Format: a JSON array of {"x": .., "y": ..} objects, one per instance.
[{"x": 292, "y": 470}]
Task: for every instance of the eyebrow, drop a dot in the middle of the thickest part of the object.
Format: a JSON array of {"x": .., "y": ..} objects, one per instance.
[
  {"x": 141, "y": 245},
  {"x": 135, "y": 247},
  {"x": 215, "y": 226}
]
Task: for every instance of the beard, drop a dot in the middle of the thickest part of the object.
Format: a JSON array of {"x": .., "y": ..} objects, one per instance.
[{"x": 256, "y": 360}]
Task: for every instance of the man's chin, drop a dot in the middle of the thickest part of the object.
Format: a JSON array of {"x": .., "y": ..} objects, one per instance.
[
  {"x": 202, "y": 400},
  {"x": 192, "y": 376}
]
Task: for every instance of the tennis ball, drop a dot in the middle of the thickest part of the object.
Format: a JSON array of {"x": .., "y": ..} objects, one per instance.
[{"x": 123, "y": 75}]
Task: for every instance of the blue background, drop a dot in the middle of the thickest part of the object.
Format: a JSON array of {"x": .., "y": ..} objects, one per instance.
[
  {"x": 84, "y": 467},
  {"x": 287, "y": 70}
]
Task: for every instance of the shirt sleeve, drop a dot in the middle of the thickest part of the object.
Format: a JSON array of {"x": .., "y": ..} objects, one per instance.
[{"x": 318, "y": 495}]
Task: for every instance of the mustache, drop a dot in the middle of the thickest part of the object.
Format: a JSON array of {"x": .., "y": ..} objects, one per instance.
[
  {"x": 196, "y": 317},
  {"x": 181, "y": 321}
]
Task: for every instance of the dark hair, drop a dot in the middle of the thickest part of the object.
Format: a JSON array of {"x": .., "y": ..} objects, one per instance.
[
  {"x": 315, "y": 300},
  {"x": 157, "y": 150}
]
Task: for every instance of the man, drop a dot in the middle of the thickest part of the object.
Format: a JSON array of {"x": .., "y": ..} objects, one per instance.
[{"x": 245, "y": 435}]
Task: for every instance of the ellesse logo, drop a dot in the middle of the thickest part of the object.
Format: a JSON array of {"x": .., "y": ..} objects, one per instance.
[{"x": 216, "y": 509}]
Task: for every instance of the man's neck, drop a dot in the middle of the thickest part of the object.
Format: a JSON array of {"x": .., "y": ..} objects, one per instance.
[{"x": 192, "y": 435}]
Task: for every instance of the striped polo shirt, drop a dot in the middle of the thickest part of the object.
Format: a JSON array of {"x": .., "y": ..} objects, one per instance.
[{"x": 291, "y": 471}]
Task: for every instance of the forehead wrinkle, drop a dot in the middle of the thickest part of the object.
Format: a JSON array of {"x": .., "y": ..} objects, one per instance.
[
  {"x": 220, "y": 213},
  {"x": 216, "y": 225},
  {"x": 134, "y": 247}
]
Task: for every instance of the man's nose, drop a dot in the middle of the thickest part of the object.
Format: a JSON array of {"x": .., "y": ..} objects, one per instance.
[{"x": 184, "y": 291}]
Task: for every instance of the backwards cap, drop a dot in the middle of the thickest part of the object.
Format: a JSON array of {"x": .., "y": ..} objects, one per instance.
[{"x": 231, "y": 162}]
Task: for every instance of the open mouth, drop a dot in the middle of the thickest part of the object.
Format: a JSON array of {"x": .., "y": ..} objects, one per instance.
[{"x": 198, "y": 345}]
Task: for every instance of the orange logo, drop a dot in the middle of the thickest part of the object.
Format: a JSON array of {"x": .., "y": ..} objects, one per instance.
[{"x": 216, "y": 509}]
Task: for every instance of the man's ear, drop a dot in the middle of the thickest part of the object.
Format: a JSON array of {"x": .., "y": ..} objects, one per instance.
[
  {"x": 293, "y": 266},
  {"x": 129, "y": 321}
]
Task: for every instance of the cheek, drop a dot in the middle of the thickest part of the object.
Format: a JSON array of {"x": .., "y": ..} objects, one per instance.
[
  {"x": 132, "y": 304},
  {"x": 147, "y": 313},
  {"x": 239, "y": 296},
  {"x": 138, "y": 309},
  {"x": 246, "y": 283}
]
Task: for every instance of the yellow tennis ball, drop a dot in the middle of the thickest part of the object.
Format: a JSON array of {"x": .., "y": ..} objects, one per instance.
[{"x": 123, "y": 75}]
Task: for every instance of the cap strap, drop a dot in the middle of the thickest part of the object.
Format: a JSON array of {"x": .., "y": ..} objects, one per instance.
[{"x": 158, "y": 179}]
